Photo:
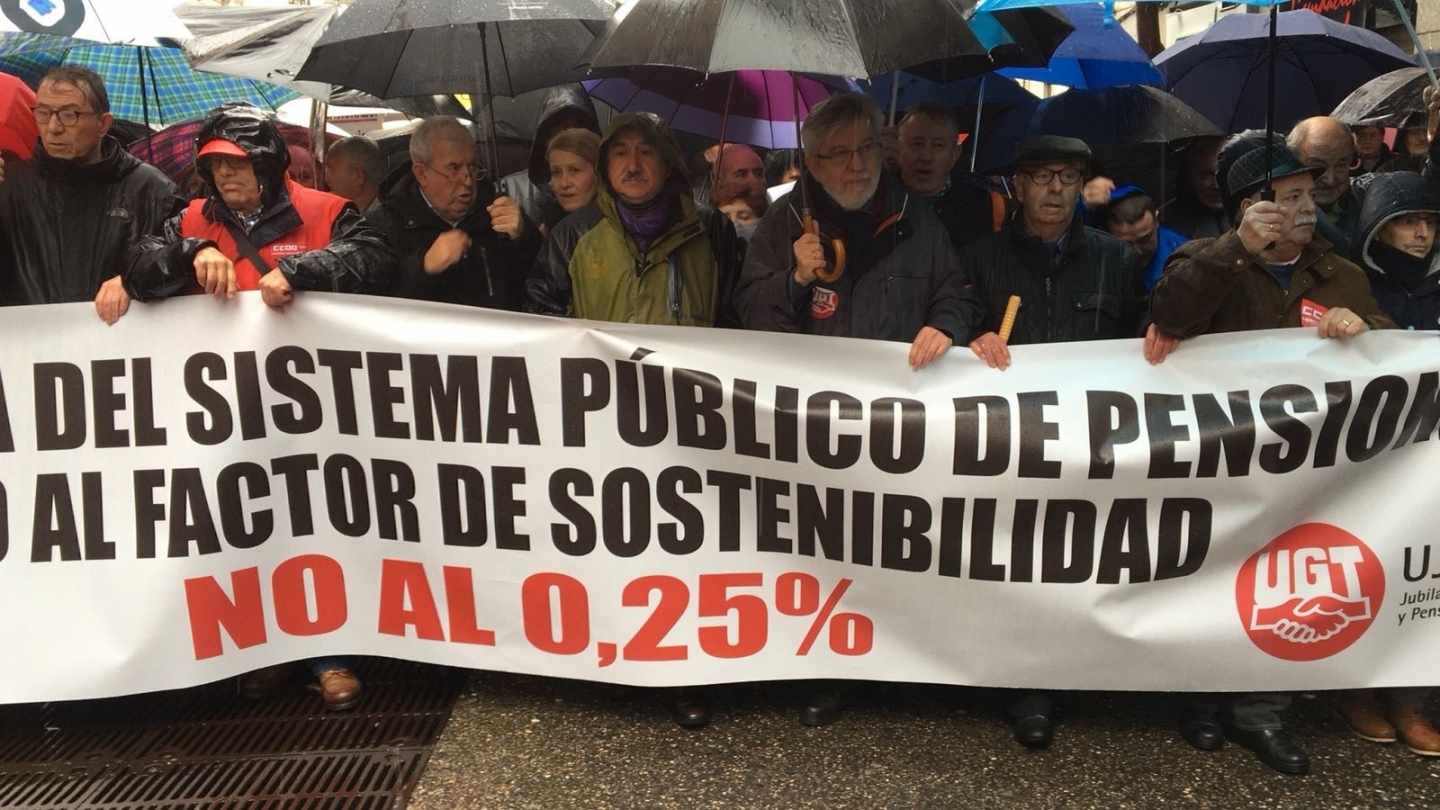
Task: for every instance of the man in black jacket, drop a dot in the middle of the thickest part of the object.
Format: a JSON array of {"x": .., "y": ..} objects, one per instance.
[
  {"x": 1074, "y": 282},
  {"x": 68, "y": 218},
  {"x": 900, "y": 279},
  {"x": 928, "y": 151},
  {"x": 454, "y": 243}
]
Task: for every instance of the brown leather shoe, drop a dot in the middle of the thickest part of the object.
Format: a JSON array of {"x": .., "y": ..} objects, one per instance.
[
  {"x": 1416, "y": 731},
  {"x": 1362, "y": 711},
  {"x": 263, "y": 683},
  {"x": 340, "y": 689}
]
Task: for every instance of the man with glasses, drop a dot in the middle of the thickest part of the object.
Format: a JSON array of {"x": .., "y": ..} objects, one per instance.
[
  {"x": 1073, "y": 282},
  {"x": 878, "y": 264},
  {"x": 1269, "y": 272},
  {"x": 1325, "y": 144},
  {"x": 456, "y": 242},
  {"x": 80, "y": 183},
  {"x": 898, "y": 280}
]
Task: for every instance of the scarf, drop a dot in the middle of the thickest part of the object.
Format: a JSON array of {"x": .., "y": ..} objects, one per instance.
[
  {"x": 649, "y": 221},
  {"x": 1406, "y": 270}
]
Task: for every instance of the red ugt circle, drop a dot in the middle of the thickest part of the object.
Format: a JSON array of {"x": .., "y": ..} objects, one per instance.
[{"x": 1309, "y": 593}]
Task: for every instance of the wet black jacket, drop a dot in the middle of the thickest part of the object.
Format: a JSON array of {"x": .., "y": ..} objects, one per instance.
[
  {"x": 356, "y": 259},
  {"x": 531, "y": 188},
  {"x": 968, "y": 208},
  {"x": 67, "y": 228},
  {"x": 491, "y": 275},
  {"x": 1405, "y": 287},
  {"x": 1091, "y": 289},
  {"x": 902, "y": 272}
]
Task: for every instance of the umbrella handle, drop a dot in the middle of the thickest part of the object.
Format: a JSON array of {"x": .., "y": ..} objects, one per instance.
[
  {"x": 1268, "y": 195},
  {"x": 829, "y": 275}
]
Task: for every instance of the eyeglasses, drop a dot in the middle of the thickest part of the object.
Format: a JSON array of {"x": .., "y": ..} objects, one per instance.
[
  {"x": 844, "y": 156},
  {"x": 1043, "y": 177},
  {"x": 67, "y": 117},
  {"x": 457, "y": 174}
]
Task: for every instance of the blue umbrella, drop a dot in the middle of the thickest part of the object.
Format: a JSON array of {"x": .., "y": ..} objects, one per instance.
[
  {"x": 1098, "y": 54},
  {"x": 1319, "y": 62},
  {"x": 153, "y": 85}
]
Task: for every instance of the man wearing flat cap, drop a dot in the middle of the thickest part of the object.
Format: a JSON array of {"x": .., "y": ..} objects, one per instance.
[
  {"x": 1074, "y": 282},
  {"x": 1271, "y": 271}
]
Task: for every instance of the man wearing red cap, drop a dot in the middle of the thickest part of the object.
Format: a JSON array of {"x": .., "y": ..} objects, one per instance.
[{"x": 257, "y": 229}]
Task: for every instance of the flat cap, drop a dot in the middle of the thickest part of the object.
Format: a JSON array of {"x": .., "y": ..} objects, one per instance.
[{"x": 1050, "y": 149}]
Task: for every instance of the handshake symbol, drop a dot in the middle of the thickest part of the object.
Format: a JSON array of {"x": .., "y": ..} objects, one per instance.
[{"x": 1310, "y": 620}]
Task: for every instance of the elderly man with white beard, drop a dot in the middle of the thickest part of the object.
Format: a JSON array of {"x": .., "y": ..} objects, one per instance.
[{"x": 877, "y": 264}]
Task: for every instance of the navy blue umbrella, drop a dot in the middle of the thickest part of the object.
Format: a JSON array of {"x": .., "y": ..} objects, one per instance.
[
  {"x": 1000, "y": 106},
  {"x": 1318, "y": 62},
  {"x": 1098, "y": 53}
]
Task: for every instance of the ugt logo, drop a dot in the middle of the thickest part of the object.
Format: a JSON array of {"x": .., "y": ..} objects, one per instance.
[
  {"x": 1309, "y": 593},
  {"x": 58, "y": 17}
]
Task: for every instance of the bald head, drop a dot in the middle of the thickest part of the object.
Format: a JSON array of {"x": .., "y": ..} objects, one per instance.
[
  {"x": 1325, "y": 143},
  {"x": 741, "y": 174}
]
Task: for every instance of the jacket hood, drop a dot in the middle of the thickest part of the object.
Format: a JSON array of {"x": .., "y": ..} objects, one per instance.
[
  {"x": 655, "y": 133},
  {"x": 114, "y": 164},
  {"x": 256, "y": 133},
  {"x": 569, "y": 98},
  {"x": 1386, "y": 197}
]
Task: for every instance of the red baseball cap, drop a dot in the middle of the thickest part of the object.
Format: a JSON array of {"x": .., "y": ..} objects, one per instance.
[{"x": 220, "y": 146}]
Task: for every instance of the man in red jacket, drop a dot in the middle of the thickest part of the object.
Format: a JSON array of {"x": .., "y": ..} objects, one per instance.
[{"x": 257, "y": 229}]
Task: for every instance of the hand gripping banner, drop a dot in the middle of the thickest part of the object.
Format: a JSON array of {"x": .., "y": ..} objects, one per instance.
[{"x": 211, "y": 487}]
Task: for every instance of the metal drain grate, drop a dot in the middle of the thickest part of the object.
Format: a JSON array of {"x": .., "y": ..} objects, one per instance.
[{"x": 207, "y": 748}]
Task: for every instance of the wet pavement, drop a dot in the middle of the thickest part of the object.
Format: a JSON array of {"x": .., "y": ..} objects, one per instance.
[{"x": 520, "y": 741}]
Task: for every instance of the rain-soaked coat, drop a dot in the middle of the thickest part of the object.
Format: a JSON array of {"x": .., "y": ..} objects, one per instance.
[
  {"x": 317, "y": 240},
  {"x": 1406, "y": 288}
]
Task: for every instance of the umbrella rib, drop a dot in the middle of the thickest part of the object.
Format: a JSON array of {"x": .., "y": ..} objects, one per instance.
[
  {"x": 95, "y": 15},
  {"x": 395, "y": 67}
]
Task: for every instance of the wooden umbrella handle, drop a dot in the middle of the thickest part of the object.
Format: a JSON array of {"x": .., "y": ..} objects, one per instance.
[
  {"x": 1007, "y": 324},
  {"x": 826, "y": 274}
]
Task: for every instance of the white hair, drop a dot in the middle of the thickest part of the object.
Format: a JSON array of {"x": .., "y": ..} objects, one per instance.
[{"x": 423, "y": 138}]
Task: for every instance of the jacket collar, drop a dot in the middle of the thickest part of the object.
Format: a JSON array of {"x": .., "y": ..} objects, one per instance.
[
  {"x": 279, "y": 217},
  {"x": 686, "y": 226}
]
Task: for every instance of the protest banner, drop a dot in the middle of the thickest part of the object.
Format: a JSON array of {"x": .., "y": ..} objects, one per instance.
[{"x": 209, "y": 487}]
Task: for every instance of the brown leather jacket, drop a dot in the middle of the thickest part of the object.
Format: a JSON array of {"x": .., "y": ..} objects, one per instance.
[{"x": 1214, "y": 285}]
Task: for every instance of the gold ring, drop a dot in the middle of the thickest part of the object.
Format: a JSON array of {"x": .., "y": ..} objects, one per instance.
[{"x": 1345, "y": 322}]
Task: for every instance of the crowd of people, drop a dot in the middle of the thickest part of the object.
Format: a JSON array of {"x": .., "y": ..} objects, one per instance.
[{"x": 1324, "y": 229}]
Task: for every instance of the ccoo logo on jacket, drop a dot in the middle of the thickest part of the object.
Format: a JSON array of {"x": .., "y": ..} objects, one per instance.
[
  {"x": 61, "y": 18},
  {"x": 1309, "y": 593}
]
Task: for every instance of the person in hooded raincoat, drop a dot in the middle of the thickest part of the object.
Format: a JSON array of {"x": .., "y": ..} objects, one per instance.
[
  {"x": 1397, "y": 248},
  {"x": 302, "y": 239}
]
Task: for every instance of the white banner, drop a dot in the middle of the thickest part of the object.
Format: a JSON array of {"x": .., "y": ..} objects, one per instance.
[{"x": 211, "y": 487}]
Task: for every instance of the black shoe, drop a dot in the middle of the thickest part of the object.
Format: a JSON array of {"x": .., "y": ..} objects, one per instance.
[
  {"x": 1202, "y": 730},
  {"x": 1274, "y": 747},
  {"x": 823, "y": 708},
  {"x": 690, "y": 709},
  {"x": 1034, "y": 730}
]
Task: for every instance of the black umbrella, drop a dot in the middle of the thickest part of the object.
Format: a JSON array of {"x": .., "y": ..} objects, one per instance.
[
  {"x": 1121, "y": 115},
  {"x": 1394, "y": 99},
  {"x": 854, "y": 38},
  {"x": 391, "y": 48}
]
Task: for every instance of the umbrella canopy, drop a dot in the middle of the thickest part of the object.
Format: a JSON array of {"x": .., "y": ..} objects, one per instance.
[
  {"x": 392, "y": 48},
  {"x": 18, "y": 130},
  {"x": 1222, "y": 72},
  {"x": 265, "y": 43},
  {"x": 1097, "y": 54},
  {"x": 170, "y": 91},
  {"x": 1394, "y": 99},
  {"x": 1129, "y": 114},
  {"x": 1004, "y": 110},
  {"x": 118, "y": 22},
  {"x": 756, "y": 107},
  {"x": 172, "y": 150},
  {"x": 859, "y": 38}
]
